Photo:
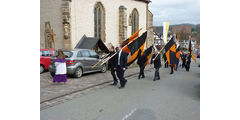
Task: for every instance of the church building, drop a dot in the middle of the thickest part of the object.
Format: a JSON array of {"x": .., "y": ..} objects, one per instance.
[{"x": 113, "y": 21}]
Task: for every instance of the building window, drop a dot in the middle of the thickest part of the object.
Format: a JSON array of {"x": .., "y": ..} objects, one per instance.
[
  {"x": 99, "y": 21},
  {"x": 134, "y": 20}
]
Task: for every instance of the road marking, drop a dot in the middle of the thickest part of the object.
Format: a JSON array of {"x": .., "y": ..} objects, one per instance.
[{"x": 128, "y": 115}]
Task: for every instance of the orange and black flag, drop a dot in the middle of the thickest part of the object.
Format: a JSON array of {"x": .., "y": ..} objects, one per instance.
[
  {"x": 190, "y": 50},
  {"x": 135, "y": 47},
  {"x": 170, "y": 49},
  {"x": 131, "y": 38},
  {"x": 147, "y": 53},
  {"x": 178, "y": 52}
]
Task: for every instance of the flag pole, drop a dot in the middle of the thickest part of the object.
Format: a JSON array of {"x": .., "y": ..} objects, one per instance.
[
  {"x": 100, "y": 60},
  {"x": 115, "y": 53}
]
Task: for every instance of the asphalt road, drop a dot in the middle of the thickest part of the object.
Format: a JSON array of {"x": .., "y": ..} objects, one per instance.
[{"x": 174, "y": 97}]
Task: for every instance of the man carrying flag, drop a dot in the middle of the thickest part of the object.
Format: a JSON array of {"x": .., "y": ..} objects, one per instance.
[
  {"x": 190, "y": 50},
  {"x": 170, "y": 49},
  {"x": 157, "y": 64},
  {"x": 143, "y": 61},
  {"x": 189, "y": 56},
  {"x": 121, "y": 66},
  {"x": 134, "y": 48}
]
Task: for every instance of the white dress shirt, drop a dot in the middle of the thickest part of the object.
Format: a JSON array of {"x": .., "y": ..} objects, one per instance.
[{"x": 119, "y": 54}]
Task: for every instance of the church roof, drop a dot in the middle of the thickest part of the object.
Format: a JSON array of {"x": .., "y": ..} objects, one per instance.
[{"x": 146, "y": 1}]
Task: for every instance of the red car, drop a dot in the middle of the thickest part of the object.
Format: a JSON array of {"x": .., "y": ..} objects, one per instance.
[
  {"x": 198, "y": 55},
  {"x": 45, "y": 55}
]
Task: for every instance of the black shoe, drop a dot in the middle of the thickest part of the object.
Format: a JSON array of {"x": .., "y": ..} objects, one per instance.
[
  {"x": 154, "y": 79},
  {"x": 143, "y": 76},
  {"x": 171, "y": 73},
  {"x": 138, "y": 77}
]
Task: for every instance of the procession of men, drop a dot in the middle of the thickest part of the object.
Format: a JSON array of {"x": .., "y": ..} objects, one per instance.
[{"x": 132, "y": 48}]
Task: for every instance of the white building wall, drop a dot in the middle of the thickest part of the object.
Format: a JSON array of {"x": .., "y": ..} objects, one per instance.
[
  {"x": 82, "y": 18},
  {"x": 50, "y": 10}
]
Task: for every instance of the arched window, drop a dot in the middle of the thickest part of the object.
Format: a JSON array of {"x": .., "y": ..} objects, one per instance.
[
  {"x": 134, "y": 20},
  {"x": 99, "y": 21}
]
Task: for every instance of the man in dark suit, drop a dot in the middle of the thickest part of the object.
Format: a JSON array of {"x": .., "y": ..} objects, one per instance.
[
  {"x": 157, "y": 64},
  {"x": 111, "y": 64},
  {"x": 141, "y": 61},
  {"x": 121, "y": 65}
]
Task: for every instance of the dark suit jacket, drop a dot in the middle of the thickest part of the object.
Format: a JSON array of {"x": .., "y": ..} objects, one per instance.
[
  {"x": 112, "y": 61},
  {"x": 142, "y": 60},
  {"x": 157, "y": 61},
  {"x": 123, "y": 60}
]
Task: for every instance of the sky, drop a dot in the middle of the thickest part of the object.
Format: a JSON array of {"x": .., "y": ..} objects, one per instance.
[{"x": 175, "y": 11}]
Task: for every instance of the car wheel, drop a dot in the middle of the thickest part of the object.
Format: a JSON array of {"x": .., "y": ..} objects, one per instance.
[
  {"x": 41, "y": 69},
  {"x": 52, "y": 74},
  {"x": 104, "y": 68},
  {"x": 78, "y": 73}
]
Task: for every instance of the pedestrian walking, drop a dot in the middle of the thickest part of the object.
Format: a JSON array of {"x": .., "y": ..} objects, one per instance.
[
  {"x": 141, "y": 61},
  {"x": 157, "y": 64},
  {"x": 183, "y": 59},
  {"x": 112, "y": 65},
  {"x": 121, "y": 66},
  {"x": 61, "y": 70}
]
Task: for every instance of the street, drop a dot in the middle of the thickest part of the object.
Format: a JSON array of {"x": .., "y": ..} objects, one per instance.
[{"x": 174, "y": 97}]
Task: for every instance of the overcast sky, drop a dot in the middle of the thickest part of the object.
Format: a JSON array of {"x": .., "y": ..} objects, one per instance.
[{"x": 175, "y": 11}]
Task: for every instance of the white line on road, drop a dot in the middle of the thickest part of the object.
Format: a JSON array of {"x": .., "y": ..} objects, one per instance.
[{"x": 128, "y": 115}]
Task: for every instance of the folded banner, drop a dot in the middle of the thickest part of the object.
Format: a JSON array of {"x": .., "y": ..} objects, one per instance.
[{"x": 165, "y": 31}]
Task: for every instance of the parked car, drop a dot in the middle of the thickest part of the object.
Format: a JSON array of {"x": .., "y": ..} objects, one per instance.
[
  {"x": 79, "y": 61},
  {"x": 45, "y": 56},
  {"x": 198, "y": 55}
]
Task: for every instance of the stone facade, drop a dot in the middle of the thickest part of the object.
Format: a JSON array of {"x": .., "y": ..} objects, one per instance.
[
  {"x": 150, "y": 34},
  {"x": 66, "y": 17},
  {"x": 122, "y": 23},
  {"x": 50, "y": 11},
  {"x": 71, "y": 19}
]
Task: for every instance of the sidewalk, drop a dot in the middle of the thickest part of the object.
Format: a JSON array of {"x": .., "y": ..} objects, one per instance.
[{"x": 50, "y": 91}]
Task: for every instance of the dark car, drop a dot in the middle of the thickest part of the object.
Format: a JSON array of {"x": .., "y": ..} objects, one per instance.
[{"x": 79, "y": 61}]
